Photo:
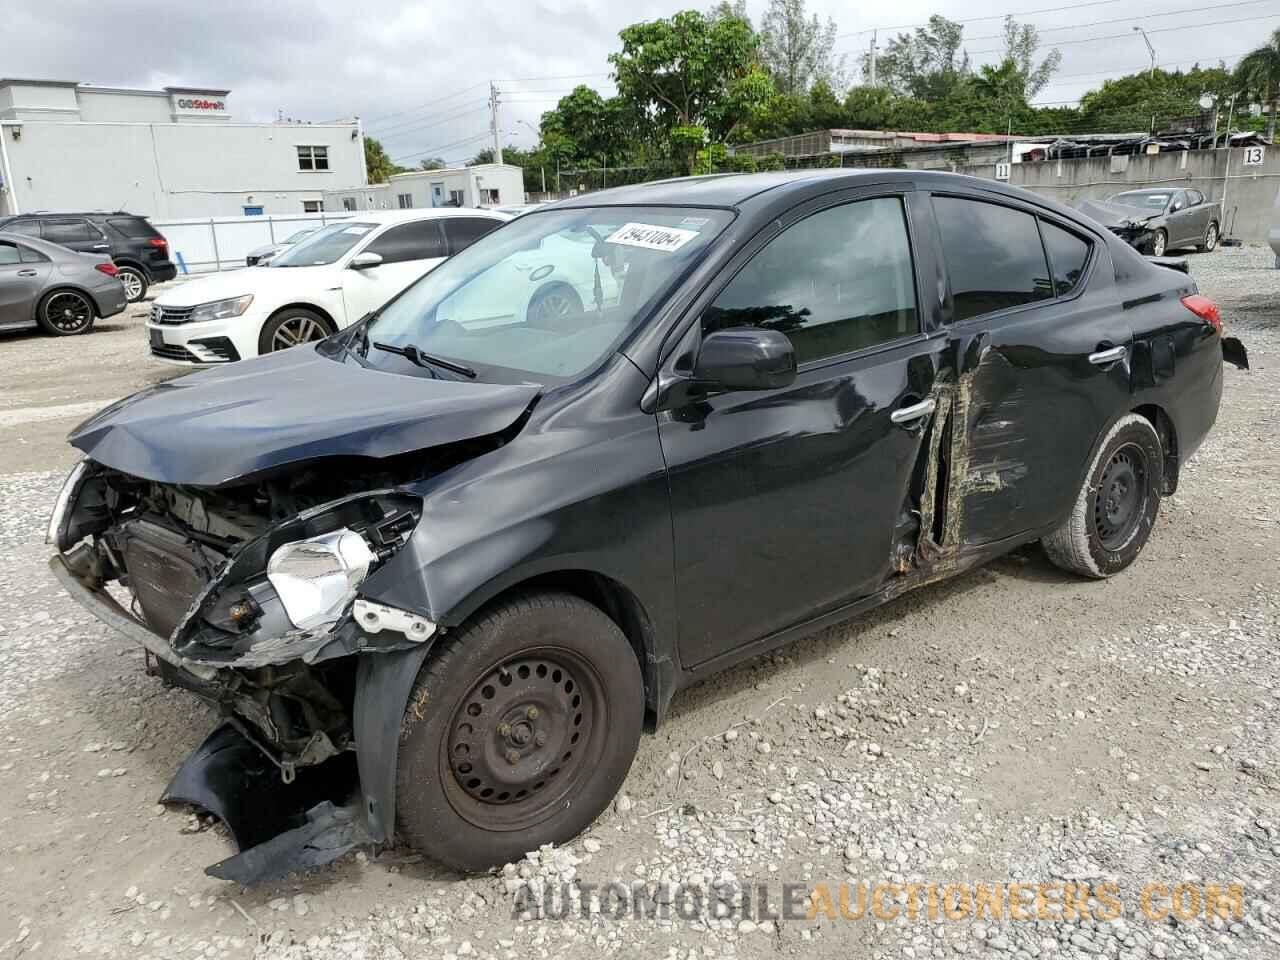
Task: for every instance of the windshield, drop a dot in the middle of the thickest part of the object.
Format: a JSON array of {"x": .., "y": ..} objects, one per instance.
[
  {"x": 545, "y": 297},
  {"x": 324, "y": 246},
  {"x": 294, "y": 238},
  {"x": 1145, "y": 200}
]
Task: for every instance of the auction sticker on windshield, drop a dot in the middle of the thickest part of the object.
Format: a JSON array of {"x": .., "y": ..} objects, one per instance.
[{"x": 651, "y": 237}]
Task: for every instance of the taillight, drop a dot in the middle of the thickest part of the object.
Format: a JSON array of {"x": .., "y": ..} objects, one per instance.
[
  {"x": 159, "y": 242},
  {"x": 108, "y": 268},
  {"x": 1205, "y": 309}
]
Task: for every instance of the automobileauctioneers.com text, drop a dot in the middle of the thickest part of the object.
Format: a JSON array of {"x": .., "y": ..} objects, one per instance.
[{"x": 1156, "y": 901}]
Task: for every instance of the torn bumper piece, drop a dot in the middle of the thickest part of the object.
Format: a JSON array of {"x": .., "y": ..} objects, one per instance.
[{"x": 277, "y": 827}]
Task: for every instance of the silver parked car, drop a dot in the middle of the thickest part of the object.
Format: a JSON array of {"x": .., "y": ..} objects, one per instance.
[
  {"x": 59, "y": 290},
  {"x": 1153, "y": 221},
  {"x": 261, "y": 256}
]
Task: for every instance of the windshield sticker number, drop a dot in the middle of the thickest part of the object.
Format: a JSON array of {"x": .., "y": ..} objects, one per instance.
[{"x": 650, "y": 237}]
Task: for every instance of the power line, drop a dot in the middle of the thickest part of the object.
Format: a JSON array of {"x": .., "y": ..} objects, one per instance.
[
  {"x": 994, "y": 16},
  {"x": 415, "y": 127},
  {"x": 1140, "y": 16},
  {"x": 1126, "y": 36},
  {"x": 441, "y": 148},
  {"x": 441, "y": 99}
]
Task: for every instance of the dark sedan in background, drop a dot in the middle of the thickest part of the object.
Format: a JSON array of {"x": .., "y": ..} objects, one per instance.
[
  {"x": 462, "y": 553},
  {"x": 1155, "y": 221},
  {"x": 61, "y": 291}
]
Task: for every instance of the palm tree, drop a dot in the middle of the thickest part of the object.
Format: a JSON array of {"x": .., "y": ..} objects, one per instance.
[{"x": 1259, "y": 74}]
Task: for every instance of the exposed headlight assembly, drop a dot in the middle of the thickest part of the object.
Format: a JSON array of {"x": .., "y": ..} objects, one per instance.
[
  {"x": 60, "y": 518},
  {"x": 317, "y": 578},
  {"x": 221, "y": 309}
]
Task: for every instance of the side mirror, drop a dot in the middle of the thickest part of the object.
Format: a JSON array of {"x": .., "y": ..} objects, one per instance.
[
  {"x": 363, "y": 261},
  {"x": 746, "y": 358}
]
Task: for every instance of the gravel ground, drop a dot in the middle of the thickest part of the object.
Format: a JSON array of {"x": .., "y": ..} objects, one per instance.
[{"x": 1010, "y": 726}]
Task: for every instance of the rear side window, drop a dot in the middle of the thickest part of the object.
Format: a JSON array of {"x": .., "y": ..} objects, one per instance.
[
  {"x": 462, "y": 232},
  {"x": 410, "y": 241},
  {"x": 31, "y": 255},
  {"x": 9, "y": 254},
  {"x": 837, "y": 281},
  {"x": 29, "y": 228},
  {"x": 1195, "y": 198},
  {"x": 135, "y": 228},
  {"x": 70, "y": 231},
  {"x": 1068, "y": 256},
  {"x": 994, "y": 256}
]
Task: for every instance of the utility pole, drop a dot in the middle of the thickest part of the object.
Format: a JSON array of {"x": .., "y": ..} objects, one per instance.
[
  {"x": 1150, "y": 49},
  {"x": 493, "y": 122},
  {"x": 873, "y": 58}
]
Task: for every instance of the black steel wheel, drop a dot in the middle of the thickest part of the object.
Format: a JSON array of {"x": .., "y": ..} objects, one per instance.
[
  {"x": 64, "y": 313},
  {"x": 1117, "y": 505},
  {"x": 520, "y": 730}
]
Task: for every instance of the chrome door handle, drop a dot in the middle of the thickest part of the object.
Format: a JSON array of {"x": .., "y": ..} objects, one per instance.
[
  {"x": 913, "y": 412},
  {"x": 27, "y": 273},
  {"x": 102, "y": 246},
  {"x": 1110, "y": 355}
]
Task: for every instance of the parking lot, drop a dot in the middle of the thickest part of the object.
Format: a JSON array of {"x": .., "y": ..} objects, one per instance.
[{"x": 1011, "y": 725}]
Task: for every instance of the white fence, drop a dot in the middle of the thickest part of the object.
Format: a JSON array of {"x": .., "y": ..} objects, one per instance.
[{"x": 220, "y": 243}]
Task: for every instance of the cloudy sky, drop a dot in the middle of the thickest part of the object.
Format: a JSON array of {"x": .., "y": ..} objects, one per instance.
[{"x": 418, "y": 72}]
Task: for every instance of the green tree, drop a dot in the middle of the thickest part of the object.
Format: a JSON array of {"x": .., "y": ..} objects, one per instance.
[
  {"x": 432, "y": 163},
  {"x": 1021, "y": 42},
  {"x": 1131, "y": 103},
  {"x": 377, "y": 162},
  {"x": 798, "y": 50},
  {"x": 1258, "y": 74},
  {"x": 925, "y": 64},
  {"x": 586, "y": 128},
  {"x": 689, "y": 80}
]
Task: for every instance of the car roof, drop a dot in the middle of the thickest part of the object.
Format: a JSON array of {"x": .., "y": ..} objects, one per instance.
[
  {"x": 425, "y": 213},
  {"x": 72, "y": 213}
]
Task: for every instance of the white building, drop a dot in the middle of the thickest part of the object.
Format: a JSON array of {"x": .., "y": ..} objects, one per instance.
[
  {"x": 165, "y": 154},
  {"x": 483, "y": 185}
]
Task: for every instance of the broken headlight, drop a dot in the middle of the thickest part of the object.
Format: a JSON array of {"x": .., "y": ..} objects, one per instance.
[
  {"x": 60, "y": 519},
  {"x": 317, "y": 578}
]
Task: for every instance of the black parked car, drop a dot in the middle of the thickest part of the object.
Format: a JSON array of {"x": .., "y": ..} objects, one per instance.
[
  {"x": 136, "y": 247},
  {"x": 482, "y": 549}
]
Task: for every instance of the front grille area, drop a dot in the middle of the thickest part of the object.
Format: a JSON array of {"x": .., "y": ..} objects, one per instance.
[
  {"x": 171, "y": 351},
  {"x": 166, "y": 571},
  {"x": 161, "y": 314},
  {"x": 215, "y": 350}
]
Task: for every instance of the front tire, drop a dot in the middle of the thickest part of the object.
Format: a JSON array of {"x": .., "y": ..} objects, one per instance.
[
  {"x": 135, "y": 283},
  {"x": 1117, "y": 505},
  {"x": 1159, "y": 243},
  {"x": 292, "y": 327},
  {"x": 65, "y": 313},
  {"x": 520, "y": 729}
]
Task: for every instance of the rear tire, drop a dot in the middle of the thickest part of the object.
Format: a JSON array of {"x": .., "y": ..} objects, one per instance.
[
  {"x": 1117, "y": 505},
  {"x": 1210, "y": 242},
  {"x": 520, "y": 729},
  {"x": 65, "y": 313},
  {"x": 135, "y": 283},
  {"x": 292, "y": 327}
]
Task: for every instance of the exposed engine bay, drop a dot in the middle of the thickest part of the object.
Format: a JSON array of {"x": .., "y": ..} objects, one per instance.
[{"x": 247, "y": 596}]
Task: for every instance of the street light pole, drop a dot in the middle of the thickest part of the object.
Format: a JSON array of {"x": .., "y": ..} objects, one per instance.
[{"x": 1150, "y": 49}]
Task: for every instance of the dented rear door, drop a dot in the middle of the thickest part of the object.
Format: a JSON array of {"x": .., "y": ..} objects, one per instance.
[{"x": 1043, "y": 366}]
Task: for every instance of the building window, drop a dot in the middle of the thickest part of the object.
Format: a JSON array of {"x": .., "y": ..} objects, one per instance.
[
  {"x": 348, "y": 203},
  {"x": 313, "y": 158},
  {"x": 253, "y": 211},
  {"x": 405, "y": 200},
  {"x": 488, "y": 196},
  {"x": 455, "y": 198},
  {"x": 313, "y": 206}
]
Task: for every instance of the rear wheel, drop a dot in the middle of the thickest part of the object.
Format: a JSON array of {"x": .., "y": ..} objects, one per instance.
[
  {"x": 135, "y": 283},
  {"x": 64, "y": 313},
  {"x": 1117, "y": 506},
  {"x": 520, "y": 730},
  {"x": 1210, "y": 239},
  {"x": 290, "y": 327}
]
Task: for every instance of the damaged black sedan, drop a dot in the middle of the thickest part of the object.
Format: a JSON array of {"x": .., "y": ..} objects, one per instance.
[{"x": 439, "y": 571}]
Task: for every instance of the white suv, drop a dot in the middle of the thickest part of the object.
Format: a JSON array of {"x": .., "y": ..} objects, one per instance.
[{"x": 313, "y": 289}]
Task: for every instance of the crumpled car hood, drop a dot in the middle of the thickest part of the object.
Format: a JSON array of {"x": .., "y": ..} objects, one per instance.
[
  {"x": 215, "y": 426},
  {"x": 1116, "y": 214}
]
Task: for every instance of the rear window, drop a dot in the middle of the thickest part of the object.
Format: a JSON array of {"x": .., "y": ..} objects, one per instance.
[
  {"x": 135, "y": 228},
  {"x": 462, "y": 232},
  {"x": 1068, "y": 256},
  {"x": 29, "y": 228},
  {"x": 70, "y": 231},
  {"x": 994, "y": 256}
]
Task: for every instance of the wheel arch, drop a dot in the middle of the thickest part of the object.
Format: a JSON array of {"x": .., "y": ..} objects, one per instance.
[
  {"x": 1168, "y": 435},
  {"x": 324, "y": 314},
  {"x": 128, "y": 260}
]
